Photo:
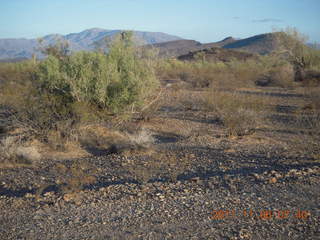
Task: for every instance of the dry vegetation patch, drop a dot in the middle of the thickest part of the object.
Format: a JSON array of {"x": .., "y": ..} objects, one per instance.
[
  {"x": 240, "y": 113},
  {"x": 15, "y": 152},
  {"x": 308, "y": 120},
  {"x": 52, "y": 100}
]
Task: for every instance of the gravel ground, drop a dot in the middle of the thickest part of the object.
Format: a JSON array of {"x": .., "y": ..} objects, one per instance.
[{"x": 208, "y": 187}]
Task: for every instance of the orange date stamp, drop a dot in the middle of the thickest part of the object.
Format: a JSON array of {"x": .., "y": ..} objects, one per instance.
[{"x": 262, "y": 214}]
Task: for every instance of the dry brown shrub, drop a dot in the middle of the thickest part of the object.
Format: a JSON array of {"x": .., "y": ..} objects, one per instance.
[
  {"x": 266, "y": 70},
  {"x": 282, "y": 76},
  {"x": 101, "y": 138},
  {"x": 14, "y": 152},
  {"x": 307, "y": 142},
  {"x": 312, "y": 96},
  {"x": 240, "y": 113}
]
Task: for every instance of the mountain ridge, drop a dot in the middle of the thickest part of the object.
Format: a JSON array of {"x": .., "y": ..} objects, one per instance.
[
  {"x": 262, "y": 44},
  {"x": 168, "y": 45},
  {"x": 12, "y": 48}
]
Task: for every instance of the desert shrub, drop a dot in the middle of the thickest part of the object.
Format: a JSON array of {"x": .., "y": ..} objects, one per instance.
[
  {"x": 307, "y": 142},
  {"x": 293, "y": 44},
  {"x": 266, "y": 70},
  {"x": 114, "y": 81},
  {"x": 305, "y": 59},
  {"x": 313, "y": 95},
  {"x": 65, "y": 90},
  {"x": 245, "y": 72},
  {"x": 60, "y": 49},
  {"x": 240, "y": 113},
  {"x": 307, "y": 125},
  {"x": 169, "y": 69},
  {"x": 196, "y": 73},
  {"x": 17, "y": 72},
  {"x": 275, "y": 71},
  {"x": 14, "y": 152},
  {"x": 25, "y": 108}
]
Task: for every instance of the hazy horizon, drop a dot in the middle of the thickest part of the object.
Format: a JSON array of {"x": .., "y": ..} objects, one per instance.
[{"x": 203, "y": 20}]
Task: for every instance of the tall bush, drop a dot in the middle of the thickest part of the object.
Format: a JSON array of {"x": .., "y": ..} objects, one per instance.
[
  {"x": 113, "y": 81},
  {"x": 64, "y": 90}
]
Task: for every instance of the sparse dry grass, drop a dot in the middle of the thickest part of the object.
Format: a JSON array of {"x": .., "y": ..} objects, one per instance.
[
  {"x": 312, "y": 95},
  {"x": 307, "y": 142},
  {"x": 267, "y": 71},
  {"x": 142, "y": 138},
  {"x": 241, "y": 114},
  {"x": 14, "y": 152},
  {"x": 98, "y": 138}
]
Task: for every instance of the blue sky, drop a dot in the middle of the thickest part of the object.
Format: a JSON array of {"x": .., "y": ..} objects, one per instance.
[{"x": 202, "y": 20}]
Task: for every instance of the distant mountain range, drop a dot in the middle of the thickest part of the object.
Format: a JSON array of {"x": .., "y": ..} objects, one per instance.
[
  {"x": 85, "y": 40},
  {"x": 168, "y": 45},
  {"x": 259, "y": 44}
]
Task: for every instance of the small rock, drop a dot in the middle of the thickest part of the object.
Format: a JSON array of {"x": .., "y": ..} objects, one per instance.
[
  {"x": 78, "y": 202},
  {"x": 68, "y": 197},
  {"x": 277, "y": 175},
  {"x": 195, "y": 179},
  {"x": 293, "y": 171},
  {"x": 244, "y": 234},
  {"x": 310, "y": 170},
  {"x": 37, "y": 217},
  {"x": 49, "y": 194},
  {"x": 29, "y": 195},
  {"x": 256, "y": 176},
  {"x": 273, "y": 180}
]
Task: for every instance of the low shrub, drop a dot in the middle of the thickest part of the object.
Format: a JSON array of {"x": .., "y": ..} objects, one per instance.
[
  {"x": 16, "y": 153},
  {"x": 20, "y": 72},
  {"x": 307, "y": 123},
  {"x": 240, "y": 113},
  {"x": 307, "y": 143},
  {"x": 266, "y": 71}
]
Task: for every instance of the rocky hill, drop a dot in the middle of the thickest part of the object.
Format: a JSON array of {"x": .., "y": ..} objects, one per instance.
[
  {"x": 259, "y": 44},
  {"x": 217, "y": 54}
]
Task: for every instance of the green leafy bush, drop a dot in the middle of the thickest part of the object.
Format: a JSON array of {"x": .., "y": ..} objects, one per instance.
[
  {"x": 64, "y": 90},
  {"x": 114, "y": 81}
]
